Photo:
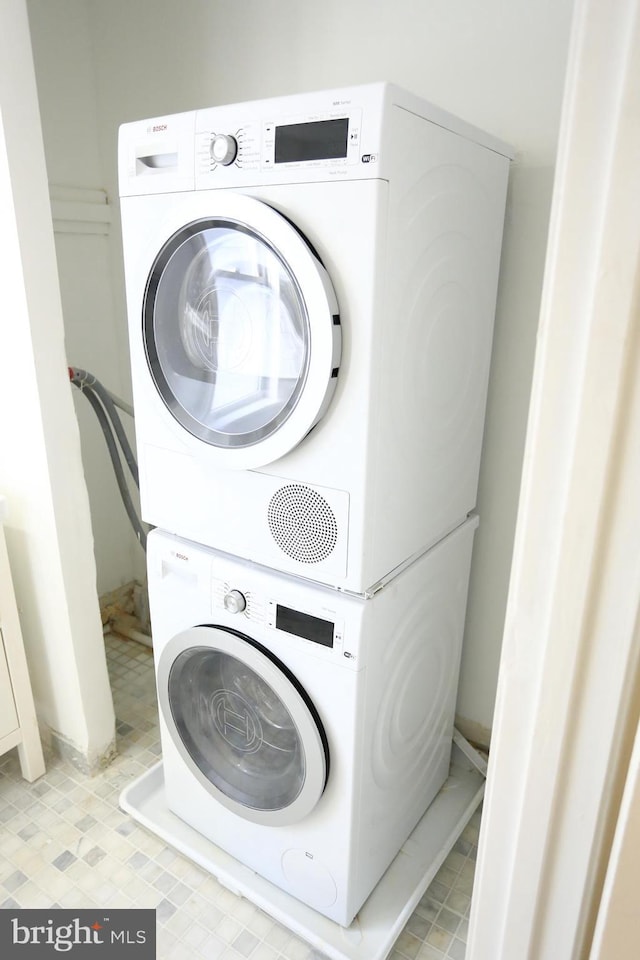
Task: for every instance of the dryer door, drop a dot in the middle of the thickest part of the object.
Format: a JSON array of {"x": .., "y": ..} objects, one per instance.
[
  {"x": 243, "y": 725},
  {"x": 241, "y": 331}
]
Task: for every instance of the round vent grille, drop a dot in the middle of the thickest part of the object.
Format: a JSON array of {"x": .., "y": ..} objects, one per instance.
[{"x": 302, "y": 523}]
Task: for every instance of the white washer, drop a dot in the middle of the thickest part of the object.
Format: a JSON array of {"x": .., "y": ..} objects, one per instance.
[
  {"x": 305, "y": 731},
  {"x": 311, "y": 287}
]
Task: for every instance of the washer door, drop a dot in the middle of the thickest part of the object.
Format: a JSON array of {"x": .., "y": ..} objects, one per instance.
[
  {"x": 243, "y": 725},
  {"x": 241, "y": 331}
]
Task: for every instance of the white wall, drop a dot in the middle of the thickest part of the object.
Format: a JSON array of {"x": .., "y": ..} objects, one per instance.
[
  {"x": 48, "y": 529},
  {"x": 95, "y": 335},
  {"x": 511, "y": 370},
  {"x": 499, "y": 65}
]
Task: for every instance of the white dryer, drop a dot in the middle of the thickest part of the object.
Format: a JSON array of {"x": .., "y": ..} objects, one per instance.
[
  {"x": 311, "y": 285},
  {"x": 305, "y": 731}
]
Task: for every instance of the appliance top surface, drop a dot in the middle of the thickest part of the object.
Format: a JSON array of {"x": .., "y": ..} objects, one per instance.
[
  {"x": 370, "y": 96},
  {"x": 378, "y": 96}
]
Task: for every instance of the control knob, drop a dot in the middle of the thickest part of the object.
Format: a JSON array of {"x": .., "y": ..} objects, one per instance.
[
  {"x": 235, "y": 602},
  {"x": 224, "y": 149}
]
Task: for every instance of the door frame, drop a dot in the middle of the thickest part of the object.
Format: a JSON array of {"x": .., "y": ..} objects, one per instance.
[{"x": 566, "y": 707}]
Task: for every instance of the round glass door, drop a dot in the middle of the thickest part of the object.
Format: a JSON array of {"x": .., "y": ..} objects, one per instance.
[
  {"x": 243, "y": 725},
  {"x": 228, "y": 330}
]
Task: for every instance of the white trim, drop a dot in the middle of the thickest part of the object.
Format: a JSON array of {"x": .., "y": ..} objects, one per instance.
[
  {"x": 16, "y": 688},
  {"x": 570, "y": 645},
  {"x": 617, "y": 932}
]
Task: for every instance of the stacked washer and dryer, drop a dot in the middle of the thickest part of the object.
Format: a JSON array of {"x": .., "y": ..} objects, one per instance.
[{"x": 311, "y": 285}]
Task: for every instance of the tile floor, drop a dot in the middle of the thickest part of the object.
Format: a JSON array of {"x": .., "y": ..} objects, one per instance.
[{"x": 65, "y": 842}]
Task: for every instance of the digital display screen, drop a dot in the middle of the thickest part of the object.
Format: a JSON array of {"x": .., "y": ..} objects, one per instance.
[
  {"x": 305, "y": 626},
  {"x": 317, "y": 140}
]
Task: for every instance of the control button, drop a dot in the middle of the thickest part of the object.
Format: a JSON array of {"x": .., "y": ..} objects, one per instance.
[
  {"x": 224, "y": 149},
  {"x": 235, "y": 601}
]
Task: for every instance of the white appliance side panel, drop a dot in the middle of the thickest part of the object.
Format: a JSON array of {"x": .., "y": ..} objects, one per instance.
[
  {"x": 447, "y": 200},
  {"x": 415, "y": 633}
]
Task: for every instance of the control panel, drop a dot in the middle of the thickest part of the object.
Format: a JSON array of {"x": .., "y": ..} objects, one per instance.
[
  {"x": 321, "y": 627},
  {"x": 327, "y": 138}
]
